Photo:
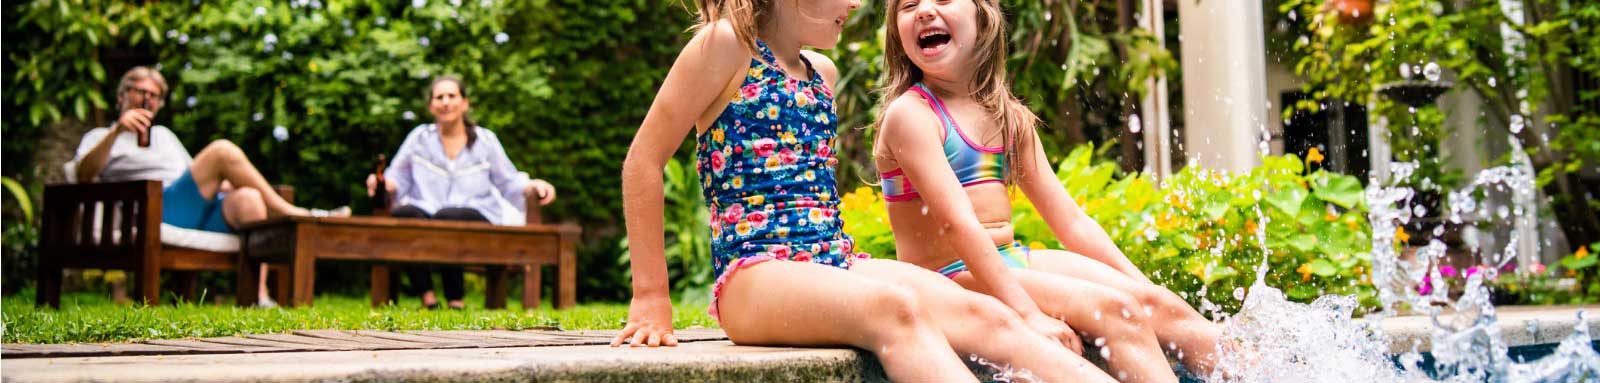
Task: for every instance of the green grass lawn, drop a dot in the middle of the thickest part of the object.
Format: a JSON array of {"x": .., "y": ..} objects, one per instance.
[{"x": 92, "y": 318}]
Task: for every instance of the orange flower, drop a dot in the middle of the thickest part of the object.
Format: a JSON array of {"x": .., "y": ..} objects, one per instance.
[
  {"x": 1401, "y": 236},
  {"x": 1305, "y": 272},
  {"x": 1583, "y": 251},
  {"x": 1250, "y": 226},
  {"x": 1313, "y": 156}
]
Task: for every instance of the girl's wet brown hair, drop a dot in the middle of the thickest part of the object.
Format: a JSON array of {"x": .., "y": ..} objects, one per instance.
[{"x": 991, "y": 86}]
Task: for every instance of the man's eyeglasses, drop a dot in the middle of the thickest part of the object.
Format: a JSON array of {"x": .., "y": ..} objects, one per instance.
[{"x": 147, "y": 94}]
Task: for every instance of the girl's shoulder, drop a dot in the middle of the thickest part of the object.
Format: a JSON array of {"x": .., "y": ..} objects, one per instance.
[
  {"x": 720, "y": 41},
  {"x": 909, "y": 113},
  {"x": 823, "y": 65}
]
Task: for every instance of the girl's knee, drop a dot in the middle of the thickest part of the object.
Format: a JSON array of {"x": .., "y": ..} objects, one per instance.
[
  {"x": 1119, "y": 307},
  {"x": 895, "y": 306},
  {"x": 989, "y": 313}
]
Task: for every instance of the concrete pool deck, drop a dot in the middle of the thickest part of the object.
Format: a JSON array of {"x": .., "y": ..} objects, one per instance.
[{"x": 705, "y": 360}]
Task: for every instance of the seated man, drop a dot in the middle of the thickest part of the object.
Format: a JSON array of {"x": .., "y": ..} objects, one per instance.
[{"x": 216, "y": 190}]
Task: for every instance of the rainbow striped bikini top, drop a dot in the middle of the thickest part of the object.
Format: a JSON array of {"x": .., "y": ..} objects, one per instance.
[{"x": 974, "y": 164}]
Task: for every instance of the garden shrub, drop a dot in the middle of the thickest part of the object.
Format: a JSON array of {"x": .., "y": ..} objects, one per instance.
[{"x": 1202, "y": 230}]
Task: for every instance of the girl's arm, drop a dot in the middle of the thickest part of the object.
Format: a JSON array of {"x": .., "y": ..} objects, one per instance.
[
  {"x": 911, "y": 131},
  {"x": 1076, "y": 231},
  {"x": 709, "y": 61}
]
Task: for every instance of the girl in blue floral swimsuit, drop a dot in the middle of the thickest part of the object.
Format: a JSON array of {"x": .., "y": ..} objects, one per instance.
[{"x": 787, "y": 274}]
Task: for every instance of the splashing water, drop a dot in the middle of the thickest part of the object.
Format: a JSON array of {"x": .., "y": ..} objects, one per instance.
[
  {"x": 1272, "y": 339},
  {"x": 1004, "y": 373}
]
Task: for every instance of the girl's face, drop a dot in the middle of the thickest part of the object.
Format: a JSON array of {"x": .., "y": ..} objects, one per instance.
[
  {"x": 447, "y": 105},
  {"x": 821, "y": 21},
  {"x": 938, "y": 35}
]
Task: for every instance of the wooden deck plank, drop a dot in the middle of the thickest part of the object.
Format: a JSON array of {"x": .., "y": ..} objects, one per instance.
[
  {"x": 324, "y": 342},
  {"x": 207, "y": 347},
  {"x": 85, "y": 350},
  {"x": 353, "y": 337},
  {"x": 249, "y": 342},
  {"x": 432, "y": 342}
]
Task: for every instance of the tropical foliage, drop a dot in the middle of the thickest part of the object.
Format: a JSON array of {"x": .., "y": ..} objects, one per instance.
[
  {"x": 1202, "y": 233},
  {"x": 1522, "y": 59}
]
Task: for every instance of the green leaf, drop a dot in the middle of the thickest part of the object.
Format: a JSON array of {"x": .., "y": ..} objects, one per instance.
[
  {"x": 20, "y": 195},
  {"x": 1341, "y": 190},
  {"x": 1287, "y": 201},
  {"x": 1321, "y": 267}
]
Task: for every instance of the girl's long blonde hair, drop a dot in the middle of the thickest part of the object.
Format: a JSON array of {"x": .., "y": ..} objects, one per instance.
[
  {"x": 746, "y": 16},
  {"x": 991, "y": 85}
]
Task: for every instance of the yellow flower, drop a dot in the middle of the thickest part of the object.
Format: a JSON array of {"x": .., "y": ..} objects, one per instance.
[
  {"x": 824, "y": 197},
  {"x": 1401, "y": 236},
  {"x": 772, "y": 111},
  {"x": 755, "y": 72},
  {"x": 1305, "y": 272},
  {"x": 755, "y": 200},
  {"x": 718, "y": 135},
  {"x": 1036, "y": 245},
  {"x": 743, "y": 228},
  {"x": 738, "y": 182},
  {"x": 773, "y": 163},
  {"x": 800, "y": 100},
  {"x": 783, "y": 231},
  {"x": 1314, "y": 155},
  {"x": 816, "y": 215},
  {"x": 1583, "y": 252}
]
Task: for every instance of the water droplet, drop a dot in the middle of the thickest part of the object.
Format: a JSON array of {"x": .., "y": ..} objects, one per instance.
[
  {"x": 1100, "y": 342},
  {"x": 1238, "y": 293},
  {"x": 1517, "y": 123},
  {"x": 1405, "y": 71},
  {"x": 1150, "y": 234},
  {"x": 280, "y": 133},
  {"x": 1491, "y": 81},
  {"x": 191, "y": 101},
  {"x": 1148, "y": 311},
  {"x": 501, "y": 38},
  {"x": 257, "y": 116},
  {"x": 1097, "y": 315},
  {"x": 1126, "y": 314},
  {"x": 1432, "y": 71},
  {"x": 1105, "y": 353},
  {"x": 1133, "y": 123},
  {"x": 924, "y": 209}
]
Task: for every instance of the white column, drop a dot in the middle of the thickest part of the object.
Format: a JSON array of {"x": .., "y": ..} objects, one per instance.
[
  {"x": 1224, "y": 82},
  {"x": 1157, "y": 123}
]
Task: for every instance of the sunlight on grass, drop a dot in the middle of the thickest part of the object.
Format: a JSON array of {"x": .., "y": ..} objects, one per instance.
[{"x": 94, "y": 318}]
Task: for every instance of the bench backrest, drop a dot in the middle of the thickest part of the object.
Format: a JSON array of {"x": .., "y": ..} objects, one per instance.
[{"x": 112, "y": 220}]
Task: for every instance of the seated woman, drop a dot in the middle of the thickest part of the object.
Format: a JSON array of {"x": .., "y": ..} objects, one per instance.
[
  {"x": 454, "y": 170},
  {"x": 216, "y": 190}
]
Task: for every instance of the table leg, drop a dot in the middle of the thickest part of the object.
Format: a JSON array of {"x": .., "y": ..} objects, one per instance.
[
  {"x": 495, "y": 298},
  {"x": 247, "y": 280},
  {"x": 380, "y": 285},
  {"x": 303, "y": 263}
]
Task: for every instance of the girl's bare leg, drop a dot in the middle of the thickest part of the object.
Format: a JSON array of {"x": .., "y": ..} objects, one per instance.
[
  {"x": 979, "y": 324},
  {"x": 783, "y": 303},
  {"x": 1177, "y": 325},
  {"x": 222, "y": 160}
]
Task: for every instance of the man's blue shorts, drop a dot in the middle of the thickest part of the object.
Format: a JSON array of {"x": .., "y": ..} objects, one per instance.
[{"x": 183, "y": 206}]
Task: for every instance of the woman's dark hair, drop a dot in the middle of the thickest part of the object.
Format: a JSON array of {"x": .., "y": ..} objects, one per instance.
[{"x": 472, "y": 127}]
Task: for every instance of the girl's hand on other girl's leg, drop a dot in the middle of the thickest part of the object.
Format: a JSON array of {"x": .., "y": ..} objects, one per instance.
[
  {"x": 1056, "y": 330},
  {"x": 649, "y": 324}
]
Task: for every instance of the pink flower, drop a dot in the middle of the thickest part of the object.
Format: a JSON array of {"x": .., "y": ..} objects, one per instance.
[
  {"x": 779, "y": 251},
  {"x": 718, "y": 161},
  {"x": 1447, "y": 271},
  {"x": 732, "y": 215},
  {"x": 824, "y": 151},
  {"x": 1426, "y": 287},
  {"x": 804, "y": 256},
  {"x": 1538, "y": 268},
  {"x": 764, "y": 147},
  {"x": 750, "y": 92},
  {"x": 1470, "y": 271},
  {"x": 787, "y": 156},
  {"x": 757, "y": 218}
]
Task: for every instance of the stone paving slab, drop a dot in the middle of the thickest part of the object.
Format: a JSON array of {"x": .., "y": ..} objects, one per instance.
[
  {"x": 689, "y": 362},
  {"x": 706, "y": 360}
]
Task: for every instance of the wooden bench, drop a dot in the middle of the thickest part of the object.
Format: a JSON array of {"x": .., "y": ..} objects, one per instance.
[
  {"x": 117, "y": 225},
  {"x": 385, "y": 241}
]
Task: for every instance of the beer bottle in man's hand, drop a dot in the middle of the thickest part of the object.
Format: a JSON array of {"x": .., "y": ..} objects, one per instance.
[{"x": 380, "y": 194}]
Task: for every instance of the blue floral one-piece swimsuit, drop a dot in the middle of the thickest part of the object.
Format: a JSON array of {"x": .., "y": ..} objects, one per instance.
[{"x": 766, "y": 171}]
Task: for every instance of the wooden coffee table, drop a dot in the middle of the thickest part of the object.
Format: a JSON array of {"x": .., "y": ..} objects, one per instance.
[{"x": 303, "y": 241}]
